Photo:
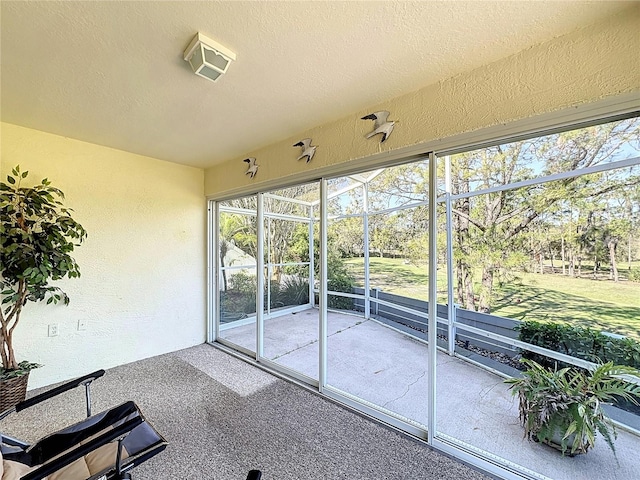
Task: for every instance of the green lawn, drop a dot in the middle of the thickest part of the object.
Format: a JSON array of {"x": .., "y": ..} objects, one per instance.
[
  {"x": 600, "y": 304},
  {"x": 394, "y": 276}
]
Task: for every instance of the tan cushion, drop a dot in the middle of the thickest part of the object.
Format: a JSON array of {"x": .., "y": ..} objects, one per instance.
[
  {"x": 92, "y": 463},
  {"x": 14, "y": 470},
  {"x": 74, "y": 471},
  {"x": 103, "y": 457}
]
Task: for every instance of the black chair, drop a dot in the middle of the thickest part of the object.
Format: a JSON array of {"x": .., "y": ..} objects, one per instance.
[
  {"x": 102, "y": 446},
  {"x": 105, "y": 446}
]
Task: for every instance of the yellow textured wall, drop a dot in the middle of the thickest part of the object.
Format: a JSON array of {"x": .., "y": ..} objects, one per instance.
[
  {"x": 587, "y": 65},
  {"x": 143, "y": 286}
]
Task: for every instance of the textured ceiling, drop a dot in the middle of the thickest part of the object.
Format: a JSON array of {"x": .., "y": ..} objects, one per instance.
[{"x": 112, "y": 72}]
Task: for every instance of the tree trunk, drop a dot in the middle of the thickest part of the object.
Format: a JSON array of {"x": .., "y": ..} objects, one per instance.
[
  {"x": 7, "y": 325},
  {"x": 6, "y": 342},
  {"x": 7, "y": 354},
  {"x": 277, "y": 269},
  {"x": 460, "y": 283},
  {"x": 579, "y": 266},
  {"x": 461, "y": 227},
  {"x": 629, "y": 205},
  {"x": 613, "y": 271},
  {"x": 464, "y": 291},
  {"x": 487, "y": 290},
  {"x": 572, "y": 263},
  {"x": 460, "y": 222},
  {"x": 223, "y": 253},
  {"x": 13, "y": 364},
  {"x": 533, "y": 262},
  {"x": 468, "y": 289},
  {"x": 562, "y": 253},
  {"x": 3, "y": 348}
]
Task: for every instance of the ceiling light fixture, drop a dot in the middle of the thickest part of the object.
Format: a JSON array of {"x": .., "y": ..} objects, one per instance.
[{"x": 208, "y": 58}]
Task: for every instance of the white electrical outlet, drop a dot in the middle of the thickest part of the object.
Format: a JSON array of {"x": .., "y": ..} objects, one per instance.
[
  {"x": 82, "y": 325},
  {"x": 53, "y": 330}
]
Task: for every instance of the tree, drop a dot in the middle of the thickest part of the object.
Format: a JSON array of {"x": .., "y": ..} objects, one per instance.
[
  {"x": 37, "y": 236},
  {"x": 490, "y": 222},
  {"x": 338, "y": 277},
  {"x": 278, "y": 230},
  {"x": 488, "y": 228},
  {"x": 631, "y": 208},
  {"x": 242, "y": 229},
  {"x": 350, "y": 240},
  {"x": 231, "y": 226}
]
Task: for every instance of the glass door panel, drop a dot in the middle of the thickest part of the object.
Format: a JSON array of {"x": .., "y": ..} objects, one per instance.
[
  {"x": 290, "y": 322},
  {"x": 237, "y": 268},
  {"x": 535, "y": 260},
  {"x": 375, "y": 352}
]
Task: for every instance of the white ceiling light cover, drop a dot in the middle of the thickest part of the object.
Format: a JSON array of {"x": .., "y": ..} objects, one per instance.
[{"x": 208, "y": 58}]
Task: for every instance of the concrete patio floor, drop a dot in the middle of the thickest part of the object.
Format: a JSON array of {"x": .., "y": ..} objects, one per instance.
[{"x": 388, "y": 368}]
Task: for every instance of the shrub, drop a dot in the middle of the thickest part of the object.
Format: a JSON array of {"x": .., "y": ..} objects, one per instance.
[
  {"x": 580, "y": 342},
  {"x": 634, "y": 275},
  {"x": 243, "y": 282},
  {"x": 338, "y": 277},
  {"x": 240, "y": 297},
  {"x": 294, "y": 290},
  {"x": 340, "y": 283}
]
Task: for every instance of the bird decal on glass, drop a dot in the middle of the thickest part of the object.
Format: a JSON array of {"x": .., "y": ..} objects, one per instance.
[
  {"x": 253, "y": 166},
  {"x": 381, "y": 125},
  {"x": 308, "y": 150}
]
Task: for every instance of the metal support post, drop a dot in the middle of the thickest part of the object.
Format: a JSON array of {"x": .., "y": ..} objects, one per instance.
[
  {"x": 260, "y": 277},
  {"x": 312, "y": 296},
  {"x": 451, "y": 334},
  {"x": 322, "y": 374},
  {"x": 365, "y": 223},
  {"x": 433, "y": 294}
]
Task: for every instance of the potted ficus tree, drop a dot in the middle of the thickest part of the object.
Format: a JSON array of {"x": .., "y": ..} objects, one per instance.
[
  {"x": 563, "y": 407},
  {"x": 37, "y": 236}
]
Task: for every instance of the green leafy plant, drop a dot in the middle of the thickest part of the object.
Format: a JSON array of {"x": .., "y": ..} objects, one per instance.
[
  {"x": 339, "y": 279},
  {"x": 23, "y": 368},
  {"x": 580, "y": 342},
  {"x": 294, "y": 290},
  {"x": 37, "y": 236},
  {"x": 563, "y": 408}
]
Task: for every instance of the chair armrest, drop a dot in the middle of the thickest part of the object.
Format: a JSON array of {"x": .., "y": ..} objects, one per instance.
[
  {"x": 254, "y": 475},
  {"x": 87, "y": 379}
]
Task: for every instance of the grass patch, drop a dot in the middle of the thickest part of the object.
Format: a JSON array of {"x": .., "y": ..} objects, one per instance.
[
  {"x": 394, "y": 275},
  {"x": 600, "y": 304}
]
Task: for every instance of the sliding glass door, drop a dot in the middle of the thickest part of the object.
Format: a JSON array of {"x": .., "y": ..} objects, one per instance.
[
  {"x": 541, "y": 232},
  {"x": 377, "y": 294},
  {"x": 237, "y": 272},
  {"x": 290, "y": 321},
  {"x": 412, "y": 292}
]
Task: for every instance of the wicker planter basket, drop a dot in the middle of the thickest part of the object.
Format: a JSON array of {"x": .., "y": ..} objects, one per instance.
[{"x": 13, "y": 391}]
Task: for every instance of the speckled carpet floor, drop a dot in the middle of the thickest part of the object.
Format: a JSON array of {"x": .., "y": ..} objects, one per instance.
[{"x": 223, "y": 417}]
